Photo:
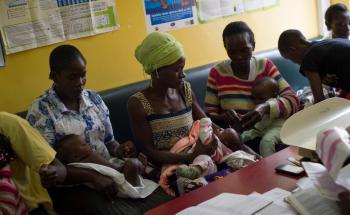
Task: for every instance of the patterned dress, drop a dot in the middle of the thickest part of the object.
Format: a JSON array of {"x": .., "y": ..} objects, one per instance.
[
  {"x": 53, "y": 120},
  {"x": 168, "y": 128}
]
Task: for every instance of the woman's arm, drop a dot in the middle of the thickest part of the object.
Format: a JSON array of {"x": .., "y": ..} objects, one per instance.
[
  {"x": 56, "y": 173},
  {"x": 197, "y": 111},
  {"x": 286, "y": 104},
  {"x": 228, "y": 118},
  {"x": 143, "y": 135}
]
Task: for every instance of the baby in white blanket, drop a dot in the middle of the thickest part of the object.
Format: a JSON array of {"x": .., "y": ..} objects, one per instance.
[{"x": 74, "y": 151}]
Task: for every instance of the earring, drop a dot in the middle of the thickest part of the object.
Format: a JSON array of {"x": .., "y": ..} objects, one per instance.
[{"x": 157, "y": 75}]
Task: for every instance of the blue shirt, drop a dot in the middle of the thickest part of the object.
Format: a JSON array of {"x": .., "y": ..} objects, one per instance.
[{"x": 53, "y": 120}]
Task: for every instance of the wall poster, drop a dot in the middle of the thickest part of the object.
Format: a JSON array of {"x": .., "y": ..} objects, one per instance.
[
  {"x": 163, "y": 15},
  {"x": 27, "y": 24}
]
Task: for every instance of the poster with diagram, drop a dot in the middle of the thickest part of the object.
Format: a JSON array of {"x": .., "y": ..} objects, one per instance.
[
  {"x": 27, "y": 24},
  {"x": 164, "y": 15}
]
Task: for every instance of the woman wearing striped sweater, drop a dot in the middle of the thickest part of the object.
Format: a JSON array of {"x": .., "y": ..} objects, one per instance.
[{"x": 229, "y": 101}]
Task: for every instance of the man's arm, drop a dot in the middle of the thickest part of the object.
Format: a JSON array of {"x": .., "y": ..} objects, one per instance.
[{"x": 316, "y": 85}]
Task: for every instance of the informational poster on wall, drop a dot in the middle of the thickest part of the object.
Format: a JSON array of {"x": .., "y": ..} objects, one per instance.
[
  {"x": 214, "y": 9},
  {"x": 27, "y": 24},
  {"x": 164, "y": 15}
]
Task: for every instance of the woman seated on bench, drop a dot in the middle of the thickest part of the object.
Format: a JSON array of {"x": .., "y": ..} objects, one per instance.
[
  {"x": 68, "y": 108},
  {"x": 229, "y": 101},
  {"x": 164, "y": 113}
]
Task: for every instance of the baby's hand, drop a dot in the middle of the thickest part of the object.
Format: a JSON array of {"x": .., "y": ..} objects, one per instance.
[
  {"x": 143, "y": 159},
  {"x": 127, "y": 150}
]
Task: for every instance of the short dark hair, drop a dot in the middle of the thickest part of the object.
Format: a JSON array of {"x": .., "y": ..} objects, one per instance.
[
  {"x": 62, "y": 56},
  {"x": 288, "y": 38},
  {"x": 238, "y": 27},
  {"x": 333, "y": 10},
  {"x": 6, "y": 149},
  {"x": 267, "y": 81},
  {"x": 61, "y": 145}
]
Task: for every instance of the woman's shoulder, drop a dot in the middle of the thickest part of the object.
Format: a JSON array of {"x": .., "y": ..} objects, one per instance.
[
  {"x": 47, "y": 99},
  {"x": 138, "y": 96},
  {"x": 139, "y": 100},
  {"x": 264, "y": 65},
  {"x": 222, "y": 67},
  {"x": 261, "y": 60},
  {"x": 224, "y": 63},
  {"x": 93, "y": 96}
]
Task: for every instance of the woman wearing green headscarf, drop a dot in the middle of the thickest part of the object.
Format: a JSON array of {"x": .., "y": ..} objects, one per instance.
[{"x": 164, "y": 112}]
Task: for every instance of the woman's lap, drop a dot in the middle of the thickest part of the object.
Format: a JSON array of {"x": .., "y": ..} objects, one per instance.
[{"x": 83, "y": 200}]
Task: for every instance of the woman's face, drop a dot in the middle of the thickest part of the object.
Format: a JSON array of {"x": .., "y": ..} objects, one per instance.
[
  {"x": 239, "y": 49},
  {"x": 70, "y": 81},
  {"x": 172, "y": 75},
  {"x": 340, "y": 25}
]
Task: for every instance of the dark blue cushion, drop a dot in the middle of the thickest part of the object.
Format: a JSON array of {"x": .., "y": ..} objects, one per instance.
[{"x": 116, "y": 98}]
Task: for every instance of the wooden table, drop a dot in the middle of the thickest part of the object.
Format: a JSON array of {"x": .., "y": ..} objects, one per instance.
[{"x": 259, "y": 177}]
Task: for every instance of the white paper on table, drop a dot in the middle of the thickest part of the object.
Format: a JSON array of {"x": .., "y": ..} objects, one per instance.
[
  {"x": 305, "y": 183},
  {"x": 322, "y": 180},
  {"x": 202, "y": 211},
  {"x": 229, "y": 203},
  {"x": 279, "y": 206}
]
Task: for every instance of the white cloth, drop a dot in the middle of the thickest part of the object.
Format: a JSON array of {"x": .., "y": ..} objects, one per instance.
[
  {"x": 238, "y": 159},
  {"x": 333, "y": 148},
  {"x": 125, "y": 189}
]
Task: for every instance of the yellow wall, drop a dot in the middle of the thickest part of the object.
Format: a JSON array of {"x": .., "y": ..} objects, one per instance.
[
  {"x": 110, "y": 56},
  {"x": 346, "y": 2}
]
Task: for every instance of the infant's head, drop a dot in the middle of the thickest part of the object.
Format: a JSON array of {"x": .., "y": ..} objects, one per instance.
[
  {"x": 264, "y": 89},
  {"x": 6, "y": 152},
  {"x": 72, "y": 148}
]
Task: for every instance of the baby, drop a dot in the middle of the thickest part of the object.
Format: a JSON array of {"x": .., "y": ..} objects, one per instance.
[
  {"x": 11, "y": 201},
  {"x": 237, "y": 159},
  {"x": 268, "y": 129},
  {"x": 73, "y": 150}
]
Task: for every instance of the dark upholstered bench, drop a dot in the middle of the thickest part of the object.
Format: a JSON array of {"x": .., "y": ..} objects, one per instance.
[{"x": 116, "y": 98}]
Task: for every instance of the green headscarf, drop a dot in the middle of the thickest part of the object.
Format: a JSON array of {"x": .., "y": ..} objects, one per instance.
[{"x": 158, "y": 49}]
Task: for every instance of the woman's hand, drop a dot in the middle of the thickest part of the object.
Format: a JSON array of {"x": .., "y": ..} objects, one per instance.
[
  {"x": 201, "y": 149},
  {"x": 126, "y": 150},
  {"x": 105, "y": 184},
  {"x": 252, "y": 117},
  {"x": 52, "y": 174},
  {"x": 233, "y": 119}
]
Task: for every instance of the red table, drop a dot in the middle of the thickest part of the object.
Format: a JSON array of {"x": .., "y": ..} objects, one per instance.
[{"x": 259, "y": 177}]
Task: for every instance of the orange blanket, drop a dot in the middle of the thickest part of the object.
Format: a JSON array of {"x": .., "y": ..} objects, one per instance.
[{"x": 179, "y": 146}]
